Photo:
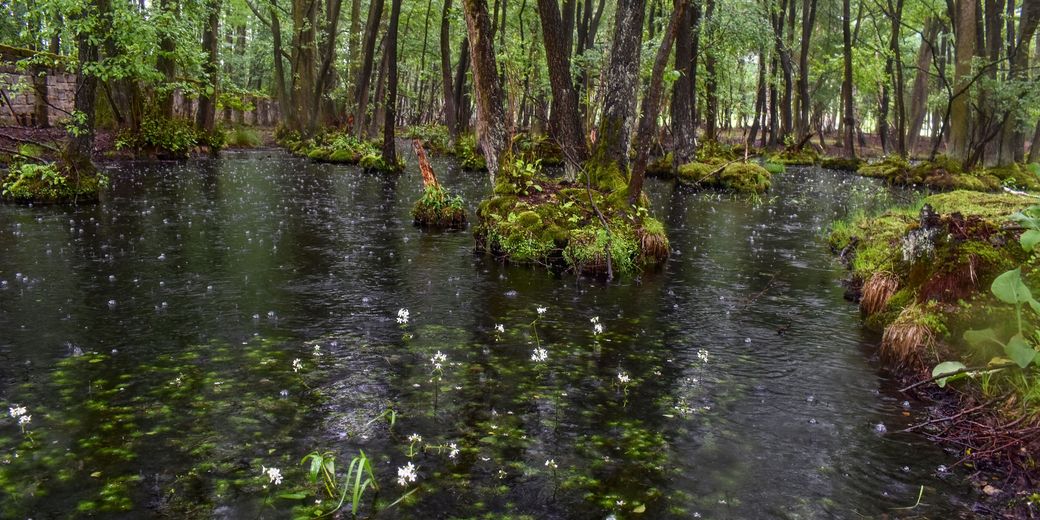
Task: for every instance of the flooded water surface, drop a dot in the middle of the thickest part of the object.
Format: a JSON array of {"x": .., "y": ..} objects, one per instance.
[{"x": 214, "y": 319}]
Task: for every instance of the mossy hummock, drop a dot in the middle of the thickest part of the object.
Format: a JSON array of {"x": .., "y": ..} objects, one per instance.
[
  {"x": 946, "y": 174},
  {"x": 535, "y": 220},
  {"x": 50, "y": 184},
  {"x": 920, "y": 272},
  {"x": 733, "y": 176}
]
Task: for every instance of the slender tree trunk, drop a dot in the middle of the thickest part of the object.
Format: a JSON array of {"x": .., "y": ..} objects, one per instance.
[
  {"x": 684, "y": 138},
  {"x": 165, "y": 63},
  {"x": 461, "y": 101},
  {"x": 622, "y": 79},
  {"x": 446, "y": 83},
  {"x": 1012, "y": 137},
  {"x": 651, "y": 103},
  {"x": 808, "y": 23},
  {"x": 847, "y": 101},
  {"x": 919, "y": 91},
  {"x": 375, "y": 15},
  {"x": 711, "y": 80},
  {"x": 389, "y": 148},
  {"x": 323, "y": 79},
  {"x": 565, "y": 124},
  {"x": 760, "y": 100},
  {"x": 205, "y": 118},
  {"x": 79, "y": 149},
  {"x": 960, "y": 106},
  {"x": 279, "y": 68},
  {"x": 380, "y": 94},
  {"x": 490, "y": 116},
  {"x": 898, "y": 83}
]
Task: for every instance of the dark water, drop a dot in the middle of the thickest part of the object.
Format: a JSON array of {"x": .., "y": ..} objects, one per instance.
[{"x": 152, "y": 339}]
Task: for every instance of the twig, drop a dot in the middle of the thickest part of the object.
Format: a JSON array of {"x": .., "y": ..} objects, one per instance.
[
  {"x": 958, "y": 372},
  {"x": 950, "y": 418}
]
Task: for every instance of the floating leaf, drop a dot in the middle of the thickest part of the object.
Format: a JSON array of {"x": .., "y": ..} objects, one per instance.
[
  {"x": 946, "y": 367},
  {"x": 293, "y": 496},
  {"x": 977, "y": 338},
  {"x": 1009, "y": 287},
  {"x": 641, "y": 508},
  {"x": 1020, "y": 351}
]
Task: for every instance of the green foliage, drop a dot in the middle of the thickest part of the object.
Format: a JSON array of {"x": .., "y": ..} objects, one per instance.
[
  {"x": 737, "y": 177},
  {"x": 157, "y": 135},
  {"x": 27, "y": 182},
  {"x": 435, "y": 137},
  {"x": 243, "y": 137},
  {"x": 519, "y": 178},
  {"x": 438, "y": 208},
  {"x": 469, "y": 155}
]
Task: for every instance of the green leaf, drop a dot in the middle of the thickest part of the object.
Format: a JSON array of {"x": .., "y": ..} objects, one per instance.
[
  {"x": 1030, "y": 239},
  {"x": 1009, "y": 287},
  {"x": 1020, "y": 351},
  {"x": 1035, "y": 305},
  {"x": 977, "y": 338},
  {"x": 946, "y": 367},
  {"x": 293, "y": 496}
]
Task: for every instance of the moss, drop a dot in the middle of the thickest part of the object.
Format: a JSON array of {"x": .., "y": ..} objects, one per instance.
[
  {"x": 660, "y": 167},
  {"x": 318, "y": 154},
  {"x": 774, "y": 168},
  {"x": 1016, "y": 176},
  {"x": 714, "y": 152},
  {"x": 890, "y": 168},
  {"x": 985, "y": 205},
  {"x": 49, "y": 184},
  {"x": 842, "y": 163},
  {"x": 586, "y": 251},
  {"x": 738, "y": 177},
  {"x": 343, "y": 156},
  {"x": 375, "y": 162},
  {"x": 804, "y": 157}
]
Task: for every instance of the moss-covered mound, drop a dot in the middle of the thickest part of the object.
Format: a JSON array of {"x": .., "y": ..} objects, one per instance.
[
  {"x": 803, "y": 157},
  {"x": 735, "y": 176},
  {"x": 841, "y": 163},
  {"x": 946, "y": 174},
  {"x": 340, "y": 148},
  {"x": 437, "y": 208},
  {"x": 919, "y": 273},
  {"x": 48, "y": 184},
  {"x": 532, "y": 219}
]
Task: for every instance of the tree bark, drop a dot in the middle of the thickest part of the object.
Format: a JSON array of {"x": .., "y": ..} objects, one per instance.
[
  {"x": 711, "y": 80},
  {"x": 651, "y": 103},
  {"x": 375, "y": 15},
  {"x": 622, "y": 78},
  {"x": 389, "y": 147},
  {"x": 490, "y": 116},
  {"x": 808, "y": 23},
  {"x": 960, "y": 106},
  {"x": 446, "y": 83},
  {"x": 205, "y": 118},
  {"x": 684, "y": 137},
  {"x": 919, "y": 91},
  {"x": 79, "y": 149},
  {"x": 565, "y": 123},
  {"x": 848, "y": 103},
  {"x": 1012, "y": 135}
]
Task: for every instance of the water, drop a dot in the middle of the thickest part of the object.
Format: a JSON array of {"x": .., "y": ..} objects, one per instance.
[{"x": 154, "y": 337}]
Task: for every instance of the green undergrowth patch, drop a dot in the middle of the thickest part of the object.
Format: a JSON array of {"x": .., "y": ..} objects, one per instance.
[
  {"x": 243, "y": 137},
  {"x": 922, "y": 272},
  {"x": 435, "y": 138},
  {"x": 803, "y": 157},
  {"x": 946, "y": 174},
  {"x": 437, "y": 208},
  {"x": 842, "y": 163},
  {"x": 167, "y": 138},
  {"x": 339, "y": 148},
  {"x": 49, "y": 183},
  {"x": 533, "y": 219}
]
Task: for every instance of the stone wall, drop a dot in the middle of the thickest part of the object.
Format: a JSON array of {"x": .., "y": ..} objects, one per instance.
[
  {"x": 18, "y": 97},
  {"x": 18, "y": 102}
]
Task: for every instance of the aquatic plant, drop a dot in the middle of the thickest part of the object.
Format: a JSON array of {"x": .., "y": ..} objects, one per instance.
[{"x": 439, "y": 208}]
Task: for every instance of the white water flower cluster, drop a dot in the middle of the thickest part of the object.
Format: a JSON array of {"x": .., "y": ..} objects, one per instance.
[
  {"x": 297, "y": 365},
  {"x": 623, "y": 378},
  {"x": 702, "y": 355},
  {"x": 406, "y": 474},
  {"x": 539, "y": 355},
  {"x": 402, "y": 316},
  {"x": 415, "y": 437},
  {"x": 499, "y": 328},
  {"x": 551, "y": 464},
  {"x": 454, "y": 450},
  {"x": 273, "y": 474},
  {"x": 541, "y": 310},
  {"x": 20, "y": 413},
  {"x": 438, "y": 360},
  {"x": 597, "y": 327}
]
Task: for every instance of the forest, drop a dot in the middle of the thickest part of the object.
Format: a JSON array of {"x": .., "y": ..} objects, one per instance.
[{"x": 699, "y": 183}]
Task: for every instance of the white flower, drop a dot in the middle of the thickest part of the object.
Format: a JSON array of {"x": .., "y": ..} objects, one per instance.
[
  {"x": 402, "y": 316},
  {"x": 406, "y": 474},
  {"x": 620, "y": 503},
  {"x": 499, "y": 328},
  {"x": 702, "y": 355},
  {"x": 274, "y": 474},
  {"x": 454, "y": 451},
  {"x": 438, "y": 360},
  {"x": 297, "y": 365},
  {"x": 317, "y": 350},
  {"x": 541, "y": 310},
  {"x": 623, "y": 378},
  {"x": 23, "y": 420},
  {"x": 539, "y": 355},
  {"x": 594, "y": 319},
  {"x": 16, "y": 411},
  {"x": 415, "y": 437},
  {"x": 597, "y": 329},
  {"x": 551, "y": 463}
]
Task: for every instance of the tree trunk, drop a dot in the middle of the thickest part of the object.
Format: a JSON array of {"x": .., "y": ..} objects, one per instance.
[
  {"x": 848, "y": 103},
  {"x": 565, "y": 123},
  {"x": 651, "y": 103},
  {"x": 808, "y": 23},
  {"x": 960, "y": 106},
  {"x": 711, "y": 80},
  {"x": 919, "y": 91},
  {"x": 279, "y": 68},
  {"x": 205, "y": 118},
  {"x": 375, "y": 15},
  {"x": 389, "y": 148},
  {"x": 684, "y": 137},
  {"x": 79, "y": 149},
  {"x": 446, "y": 84},
  {"x": 323, "y": 79},
  {"x": 490, "y": 117},
  {"x": 622, "y": 78},
  {"x": 461, "y": 100},
  {"x": 898, "y": 84},
  {"x": 1012, "y": 136}
]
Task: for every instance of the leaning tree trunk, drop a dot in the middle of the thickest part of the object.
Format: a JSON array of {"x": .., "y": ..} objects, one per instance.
[
  {"x": 568, "y": 128},
  {"x": 622, "y": 79},
  {"x": 651, "y": 102},
  {"x": 389, "y": 149},
  {"x": 490, "y": 116}
]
